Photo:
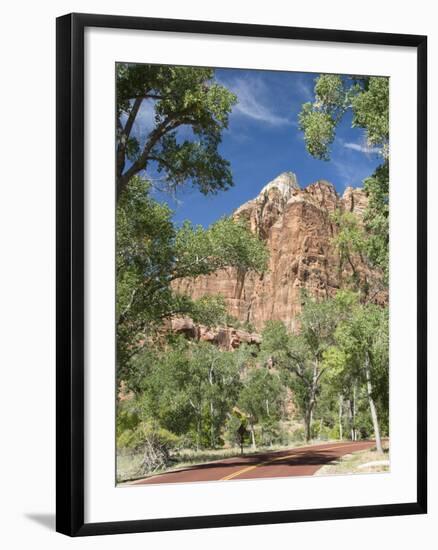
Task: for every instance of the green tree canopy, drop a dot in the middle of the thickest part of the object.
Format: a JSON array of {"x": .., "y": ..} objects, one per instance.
[
  {"x": 178, "y": 97},
  {"x": 301, "y": 355},
  {"x": 361, "y": 352},
  {"x": 189, "y": 388},
  {"x": 152, "y": 253},
  {"x": 261, "y": 398},
  {"x": 366, "y": 97},
  {"x": 377, "y": 218}
]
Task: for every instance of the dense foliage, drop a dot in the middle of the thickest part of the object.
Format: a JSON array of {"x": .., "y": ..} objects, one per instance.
[
  {"x": 333, "y": 373},
  {"x": 177, "y": 98},
  {"x": 366, "y": 97}
]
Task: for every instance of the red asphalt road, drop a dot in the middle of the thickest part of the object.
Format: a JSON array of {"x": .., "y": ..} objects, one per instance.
[{"x": 301, "y": 461}]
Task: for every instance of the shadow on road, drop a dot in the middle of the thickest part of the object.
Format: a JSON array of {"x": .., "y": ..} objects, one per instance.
[{"x": 308, "y": 458}]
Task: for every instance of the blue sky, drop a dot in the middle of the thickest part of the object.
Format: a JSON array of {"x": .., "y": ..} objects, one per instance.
[{"x": 263, "y": 140}]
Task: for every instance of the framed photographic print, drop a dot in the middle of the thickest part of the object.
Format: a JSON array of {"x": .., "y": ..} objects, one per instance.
[{"x": 241, "y": 274}]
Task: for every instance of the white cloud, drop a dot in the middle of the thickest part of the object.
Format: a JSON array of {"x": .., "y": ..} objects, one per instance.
[
  {"x": 145, "y": 119},
  {"x": 253, "y": 101},
  {"x": 362, "y": 148},
  {"x": 351, "y": 173},
  {"x": 304, "y": 88}
]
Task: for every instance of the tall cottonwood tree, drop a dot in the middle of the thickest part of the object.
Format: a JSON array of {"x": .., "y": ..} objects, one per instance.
[
  {"x": 260, "y": 398},
  {"x": 302, "y": 355},
  {"x": 176, "y": 98},
  {"x": 361, "y": 353}
]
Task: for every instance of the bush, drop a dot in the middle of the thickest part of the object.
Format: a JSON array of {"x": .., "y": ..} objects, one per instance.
[
  {"x": 269, "y": 433},
  {"x": 324, "y": 432},
  {"x": 138, "y": 437},
  {"x": 157, "y": 444},
  {"x": 129, "y": 436},
  {"x": 298, "y": 434}
]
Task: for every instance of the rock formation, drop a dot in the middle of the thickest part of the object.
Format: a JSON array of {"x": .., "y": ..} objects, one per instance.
[
  {"x": 298, "y": 230},
  {"x": 225, "y": 337}
]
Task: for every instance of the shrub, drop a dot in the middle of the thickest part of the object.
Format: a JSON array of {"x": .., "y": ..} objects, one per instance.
[
  {"x": 157, "y": 444},
  {"x": 298, "y": 434}
]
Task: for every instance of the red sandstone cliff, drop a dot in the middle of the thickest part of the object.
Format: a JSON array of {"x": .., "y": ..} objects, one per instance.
[{"x": 298, "y": 230}]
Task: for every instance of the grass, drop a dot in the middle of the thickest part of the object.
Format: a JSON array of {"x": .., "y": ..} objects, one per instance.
[
  {"x": 361, "y": 462},
  {"x": 128, "y": 466}
]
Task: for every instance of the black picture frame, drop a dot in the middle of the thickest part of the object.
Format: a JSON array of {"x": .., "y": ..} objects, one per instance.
[{"x": 70, "y": 273}]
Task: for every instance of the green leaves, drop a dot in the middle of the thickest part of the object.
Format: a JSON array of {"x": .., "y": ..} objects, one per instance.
[
  {"x": 319, "y": 131},
  {"x": 190, "y": 387},
  {"x": 364, "y": 332},
  {"x": 226, "y": 243},
  {"x": 350, "y": 237},
  {"x": 335, "y": 361},
  {"x": 366, "y": 97},
  {"x": 377, "y": 218},
  {"x": 190, "y": 392},
  {"x": 152, "y": 253},
  {"x": 194, "y": 162},
  {"x": 319, "y": 318},
  {"x": 262, "y": 395},
  {"x": 327, "y": 355},
  {"x": 330, "y": 94},
  {"x": 318, "y": 120},
  {"x": 369, "y": 240},
  {"x": 179, "y": 97},
  {"x": 371, "y": 112},
  {"x": 209, "y": 311}
]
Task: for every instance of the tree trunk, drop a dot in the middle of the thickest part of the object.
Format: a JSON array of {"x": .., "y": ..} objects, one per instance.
[
  {"x": 372, "y": 405},
  {"x": 354, "y": 411},
  {"x": 352, "y": 414},
  {"x": 212, "y": 438},
  {"x": 251, "y": 427},
  {"x": 306, "y": 427},
  {"x": 309, "y": 413},
  {"x": 350, "y": 419},
  {"x": 308, "y": 422},
  {"x": 341, "y": 406},
  {"x": 198, "y": 433}
]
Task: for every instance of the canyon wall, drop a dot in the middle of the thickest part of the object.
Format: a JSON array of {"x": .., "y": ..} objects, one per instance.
[{"x": 297, "y": 226}]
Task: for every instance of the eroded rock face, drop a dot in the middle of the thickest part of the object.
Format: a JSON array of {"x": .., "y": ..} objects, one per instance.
[
  {"x": 297, "y": 227},
  {"x": 225, "y": 337},
  {"x": 262, "y": 212}
]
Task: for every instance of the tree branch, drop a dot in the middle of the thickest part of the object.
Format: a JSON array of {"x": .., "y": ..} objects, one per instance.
[
  {"x": 125, "y": 133},
  {"x": 167, "y": 125},
  {"x": 132, "y": 115},
  {"x": 140, "y": 164}
]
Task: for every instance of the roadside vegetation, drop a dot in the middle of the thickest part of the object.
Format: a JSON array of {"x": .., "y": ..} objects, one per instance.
[
  {"x": 181, "y": 400},
  {"x": 361, "y": 462}
]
